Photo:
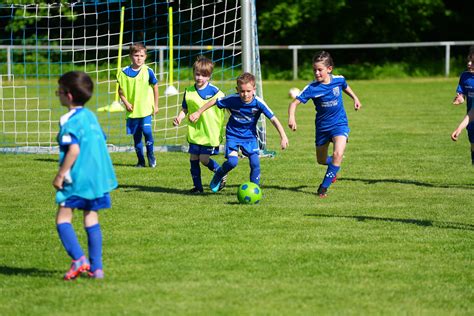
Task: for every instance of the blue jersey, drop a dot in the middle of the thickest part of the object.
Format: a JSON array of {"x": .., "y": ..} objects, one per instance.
[
  {"x": 206, "y": 93},
  {"x": 242, "y": 124},
  {"x": 466, "y": 87},
  {"x": 92, "y": 174},
  {"x": 133, "y": 73},
  {"x": 327, "y": 99}
]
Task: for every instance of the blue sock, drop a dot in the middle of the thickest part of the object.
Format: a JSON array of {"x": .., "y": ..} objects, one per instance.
[
  {"x": 213, "y": 165},
  {"x": 254, "y": 161},
  {"x": 69, "y": 239},
  {"x": 329, "y": 160},
  {"x": 137, "y": 139},
  {"x": 330, "y": 174},
  {"x": 196, "y": 174},
  {"x": 227, "y": 166},
  {"x": 149, "y": 143},
  {"x": 94, "y": 243}
]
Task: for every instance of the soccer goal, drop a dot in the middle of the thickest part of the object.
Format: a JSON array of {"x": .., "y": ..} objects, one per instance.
[{"x": 41, "y": 41}]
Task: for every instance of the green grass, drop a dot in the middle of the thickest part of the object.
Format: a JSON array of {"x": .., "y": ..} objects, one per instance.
[{"x": 395, "y": 235}]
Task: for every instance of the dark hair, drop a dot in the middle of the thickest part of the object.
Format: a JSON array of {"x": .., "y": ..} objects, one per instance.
[
  {"x": 136, "y": 47},
  {"x": 246, "y": 77},
  {"x": 204, "y": 66},
  {"x": 78, "y": 84},
  {"x": 323, "y": 57}
]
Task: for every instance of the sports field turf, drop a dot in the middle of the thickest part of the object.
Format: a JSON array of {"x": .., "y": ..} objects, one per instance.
[{"x": 394, "y": 236}]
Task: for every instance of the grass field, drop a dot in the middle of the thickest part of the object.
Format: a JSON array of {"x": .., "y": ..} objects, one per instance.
[{"x": 394, "y": 236}]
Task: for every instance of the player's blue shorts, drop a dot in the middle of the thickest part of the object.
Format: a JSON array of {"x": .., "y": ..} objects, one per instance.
[
  {"x": 138, "y": 124},
  {"x": 203, "y": 150},
  {"x": 470, "y": 132},
  {"x": 76, "y": 202},
  {"x": 323, "y": 138},
  {"x": 246, "y": 147}
]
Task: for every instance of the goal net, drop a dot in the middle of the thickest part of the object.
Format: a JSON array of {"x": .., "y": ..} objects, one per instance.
[{"x": 41, "y": 41}]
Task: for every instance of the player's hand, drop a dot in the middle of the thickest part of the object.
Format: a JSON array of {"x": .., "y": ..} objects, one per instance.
[
  {"x": 292, "y": 124},
  {"x": 194, "y": 117},
  {"x": 58, "y": 182},
  {"x": 284, "y": 143},
  {"x": 455, "y": 135},
  {"x": 458, "y": 99},
  {"x": 357, "y": 105},
  {"x": 176, "y": 121},
  {"x": 129, "y": 107},
  {"x": 156, "y": 110}
]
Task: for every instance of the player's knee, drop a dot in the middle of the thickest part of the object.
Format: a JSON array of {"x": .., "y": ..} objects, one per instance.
[
  {"x": 233, "y": 161},
  {"x": 204, "y": 160},
  {"x": 337, "y": 156}
]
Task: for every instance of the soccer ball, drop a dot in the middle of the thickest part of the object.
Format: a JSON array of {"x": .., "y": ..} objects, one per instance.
[
  {"x": 293, "y": 93},
  {"x": 249, "y": 193}
]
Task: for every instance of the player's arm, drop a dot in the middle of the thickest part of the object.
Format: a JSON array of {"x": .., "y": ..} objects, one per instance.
[
  {"x": 195, "y": 116},
  {"x": 178, "y": 119},
  {"x": 156, "y": 95},
  {"x": 291, "y": 114},
  {"x": 127, "y": 104},
  {"x": 468, "y": 118},
  {"x": 349, "y": 92},
  {"x": 69, "y": 159},
  {"x": 283, "y": 139},
  {"x": 458, "y": 99}
]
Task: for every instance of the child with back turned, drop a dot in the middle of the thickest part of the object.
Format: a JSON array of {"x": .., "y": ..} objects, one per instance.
[
  {"x": 205, "y": 135},
  {"x": 138, "y": 90},
  {"x": 331, "y": 120},
  {"x": 465, "y": 90},
  {"x": 85, "y": 176},
  {"x": 241, "y": 131}
]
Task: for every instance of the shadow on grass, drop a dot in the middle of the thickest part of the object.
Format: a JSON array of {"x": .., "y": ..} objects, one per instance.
[
  {"x": 418, "y": 222},
  {"x": 35, "y": 272},
  {"x": 410, "y": 182}
]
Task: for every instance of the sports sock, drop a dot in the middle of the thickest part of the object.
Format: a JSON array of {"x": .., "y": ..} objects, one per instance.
[
  {"x": 330, "y": 174},
  {"x": 254, "y": 161},
  {"x": 94, "y": 244},
  {"x": 196, "y": 174},
  {"x": 137, "y": 139},
  {"x": 227, "y": 166},
  {"x": 149, "y": 143},
  {"x": 213, "y": 165},
  {"x": 69, "y": 239},
  {"x": 328, "y": 160}
]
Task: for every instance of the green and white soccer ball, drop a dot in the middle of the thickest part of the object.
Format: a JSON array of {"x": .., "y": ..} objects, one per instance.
[{"x": 249, "y": 193}]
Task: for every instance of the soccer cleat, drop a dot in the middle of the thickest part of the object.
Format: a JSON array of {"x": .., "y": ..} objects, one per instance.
[
  {"x": 322, "y": 192},
  {"x": 97, "y": 274},
  {"x": 77, "y": 267},
  {"x": 152, "y": 163},
  {"x": 334, "y": 179},
  {"x": 215, "y": 184},
  {"x": 195, "y": 191},
  {"x": 223, "y": 183}
]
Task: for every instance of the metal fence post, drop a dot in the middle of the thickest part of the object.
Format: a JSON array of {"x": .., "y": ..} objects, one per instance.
[{"x": 295, "y": 63}]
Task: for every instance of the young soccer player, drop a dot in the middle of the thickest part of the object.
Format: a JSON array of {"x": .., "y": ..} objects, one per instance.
[
  {"x": 331, "y": 120},
  {"x": 138, "y": 90},
  {"x": 85, "y": 176},
  {"x": 204, "y": 136},
  {"x": 241, "y": 131},
  {"x": 464, "y": 90}
]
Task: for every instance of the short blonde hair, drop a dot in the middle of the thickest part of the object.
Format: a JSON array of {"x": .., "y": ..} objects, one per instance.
[
  {"x": 204, "y": 66},
  {"x": 136, "y": 47},
  {"x": 245, "y": 78}
]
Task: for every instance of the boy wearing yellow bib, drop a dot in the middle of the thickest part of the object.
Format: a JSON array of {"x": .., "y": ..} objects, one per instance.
[
  {"x": 138, "y": 90},
  {"x": 204, "y": 136}
]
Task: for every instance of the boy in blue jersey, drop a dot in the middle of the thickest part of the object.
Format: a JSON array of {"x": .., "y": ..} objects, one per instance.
[
  {"x": 85, "y": 176},
  {"x": 204, "y": 136},
  {"x": 331, "y": 120},
  {"x": 241, "y": 130},
  {"x": 464, "y": 90},
  {"x": 138, "y": 90}
]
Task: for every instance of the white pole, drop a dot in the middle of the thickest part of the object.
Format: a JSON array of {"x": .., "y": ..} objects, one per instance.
[{"x": 246, "y": 36}]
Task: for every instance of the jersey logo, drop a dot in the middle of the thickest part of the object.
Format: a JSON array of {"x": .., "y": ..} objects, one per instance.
[{"x": 335, "y": 91}]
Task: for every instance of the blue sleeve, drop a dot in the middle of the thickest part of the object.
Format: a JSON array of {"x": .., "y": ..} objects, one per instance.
[
  {"x": 152, "y": 76},
  {"x": 68, "y": 139},
  {"x": 306, "y": 94},
  {"x": 221, "y": 103},
  {"x": 265, "y": 109},
  {"x": 459, "y": 88},
  {"x": 184, "y": 105}
]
